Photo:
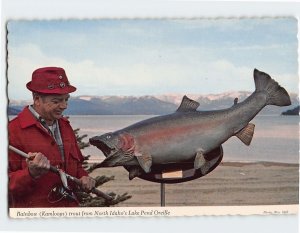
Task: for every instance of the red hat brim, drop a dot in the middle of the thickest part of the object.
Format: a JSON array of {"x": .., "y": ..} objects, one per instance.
[{"x": 59, "y": 91}]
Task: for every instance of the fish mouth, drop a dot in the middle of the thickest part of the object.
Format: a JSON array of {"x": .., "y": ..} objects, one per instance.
[
  {"x": 114, "y": 155},
  {"x": 106, "y": 149},
  {"x": 117, "y": 158}
]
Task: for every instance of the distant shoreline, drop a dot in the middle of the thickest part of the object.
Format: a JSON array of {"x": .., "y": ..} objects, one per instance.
[
  {"x": 263, "y": 163},
  {"x": 87, "y": 115}
]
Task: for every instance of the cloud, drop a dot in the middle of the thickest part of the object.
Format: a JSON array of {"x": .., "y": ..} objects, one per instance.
[{"x": 141, "y": 71}]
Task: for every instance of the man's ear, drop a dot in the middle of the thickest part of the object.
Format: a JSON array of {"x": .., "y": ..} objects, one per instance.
[{"x": 36, "y": 99}]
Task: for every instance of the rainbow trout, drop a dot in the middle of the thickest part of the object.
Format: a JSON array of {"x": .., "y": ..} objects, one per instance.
[{"x": 187, "y": 134}]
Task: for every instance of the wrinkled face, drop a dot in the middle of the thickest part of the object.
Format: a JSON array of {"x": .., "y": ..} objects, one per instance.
[
  {"x": 51, "y": 107},
  {"x": 108, "y": 143}
]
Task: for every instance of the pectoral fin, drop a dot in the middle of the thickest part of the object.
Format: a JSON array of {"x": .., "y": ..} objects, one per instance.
[
  {"x": 145, "y": 162},
  {"x": 246, "y": 134},
  {"x": 201, "y": 163}
]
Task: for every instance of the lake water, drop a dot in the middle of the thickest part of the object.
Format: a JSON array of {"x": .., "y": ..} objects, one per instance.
[{"x": 276, "y": 138}]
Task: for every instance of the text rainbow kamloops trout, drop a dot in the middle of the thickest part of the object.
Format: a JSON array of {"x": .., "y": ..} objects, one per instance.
[{"x": 187, "y": 134}]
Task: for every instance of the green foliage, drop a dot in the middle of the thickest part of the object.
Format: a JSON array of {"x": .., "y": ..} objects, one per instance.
[
  {"x": 79, "y": 138},
  {"x": 88, "y": 199}
]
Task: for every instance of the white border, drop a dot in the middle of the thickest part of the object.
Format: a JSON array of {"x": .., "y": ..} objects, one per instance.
[
  {"x": 49, "y": 9},
  {"x": 152, "y": 211}
]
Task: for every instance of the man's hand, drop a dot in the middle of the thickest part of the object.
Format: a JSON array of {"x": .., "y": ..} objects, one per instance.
[
  {"x": 87, "y": 183},
  {"x": 38, "y": 164}
]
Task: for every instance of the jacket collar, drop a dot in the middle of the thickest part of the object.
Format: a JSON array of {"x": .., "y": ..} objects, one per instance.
[{"x": 27, "y": 119}]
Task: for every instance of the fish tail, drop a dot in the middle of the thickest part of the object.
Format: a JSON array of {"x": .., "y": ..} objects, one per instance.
[{"x": 276, "y": 95}]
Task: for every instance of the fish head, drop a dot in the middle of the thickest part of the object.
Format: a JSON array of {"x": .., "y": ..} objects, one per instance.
[
  {"x": 108, "y": 143},
  {"x": 117, "y": 147}
]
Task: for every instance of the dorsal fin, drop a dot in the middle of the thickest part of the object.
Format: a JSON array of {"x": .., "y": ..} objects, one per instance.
[
  {"x": 236, "y": 100},
  {"x": 187, "y": 105}
]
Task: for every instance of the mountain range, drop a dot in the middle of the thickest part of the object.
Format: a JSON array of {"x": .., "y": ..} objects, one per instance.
[{"x": 149, "y": 105}]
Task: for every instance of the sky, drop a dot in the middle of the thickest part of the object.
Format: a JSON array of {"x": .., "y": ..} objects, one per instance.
[{"x": 154, "y": 56}]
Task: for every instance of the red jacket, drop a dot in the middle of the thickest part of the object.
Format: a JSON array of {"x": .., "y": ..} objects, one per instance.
[{"x": 26, "y": 134}]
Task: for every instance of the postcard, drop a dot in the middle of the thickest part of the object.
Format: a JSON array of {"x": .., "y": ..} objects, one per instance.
[{"x": 171, "y": 117}]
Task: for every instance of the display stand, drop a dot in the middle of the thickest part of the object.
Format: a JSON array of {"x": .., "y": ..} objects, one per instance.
[
  {"x": 181, "y": 172},
  {"x": 162, "y": 194},
  {"x": 173, "y": 173}
]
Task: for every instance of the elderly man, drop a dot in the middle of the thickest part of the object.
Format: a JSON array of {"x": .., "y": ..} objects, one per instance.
[{"x": 41, "y": 131}]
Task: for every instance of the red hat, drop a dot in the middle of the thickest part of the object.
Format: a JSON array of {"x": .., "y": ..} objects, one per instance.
[{"x": 50, "y": 80}]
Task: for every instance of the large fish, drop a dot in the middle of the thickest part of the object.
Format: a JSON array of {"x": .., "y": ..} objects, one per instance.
[{"x": 187, "y": 134}]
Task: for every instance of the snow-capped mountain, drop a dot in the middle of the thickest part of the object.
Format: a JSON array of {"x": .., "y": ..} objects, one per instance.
[
  {"x": 176, "y": 98},
  {"x": 155, "y": 105}
]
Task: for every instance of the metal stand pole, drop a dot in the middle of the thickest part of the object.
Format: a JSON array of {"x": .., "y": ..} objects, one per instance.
[{"x": 162, "y": 194}]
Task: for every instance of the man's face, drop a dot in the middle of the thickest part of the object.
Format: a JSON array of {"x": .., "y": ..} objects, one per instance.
[{"x": 51, "y": 107}]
